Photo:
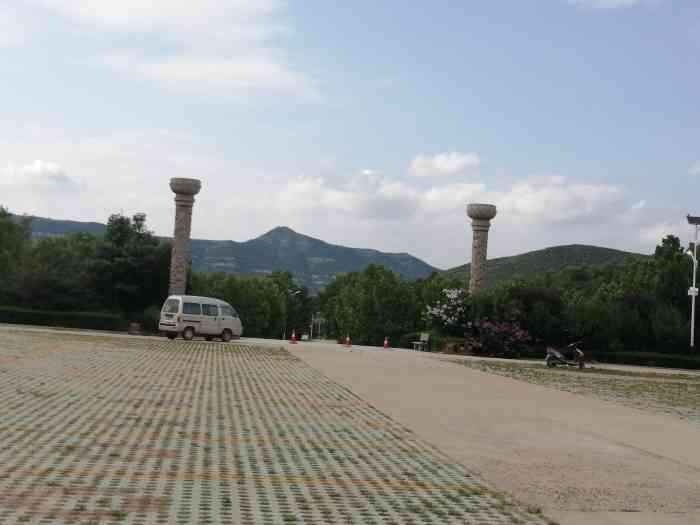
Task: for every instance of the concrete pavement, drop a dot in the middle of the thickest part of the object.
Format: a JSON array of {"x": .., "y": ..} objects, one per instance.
[{"x": 582, "y": 460}]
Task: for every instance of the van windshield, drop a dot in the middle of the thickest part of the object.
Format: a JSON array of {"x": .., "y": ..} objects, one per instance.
[
  {"x": 228, "y": 310},
  {"x": 171, "y": 306}
]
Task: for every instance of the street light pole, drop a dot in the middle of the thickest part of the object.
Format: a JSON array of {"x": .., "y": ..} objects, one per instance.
[
  {"x": 693, "y": 292},
  {"x": 290, "y": 293}
]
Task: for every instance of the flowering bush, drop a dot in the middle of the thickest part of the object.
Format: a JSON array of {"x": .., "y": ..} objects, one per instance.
[
  {"x": 449, "y": 313},
  {"x": 494, "y": 338}
]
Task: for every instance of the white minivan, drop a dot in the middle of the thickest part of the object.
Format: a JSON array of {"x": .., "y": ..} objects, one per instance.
[{"x": 190, "y": 315}]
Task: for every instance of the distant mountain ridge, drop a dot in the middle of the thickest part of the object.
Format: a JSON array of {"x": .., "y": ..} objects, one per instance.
[
  {"x": 314, "y": 263},
  {"x": 552, "y": 259}
]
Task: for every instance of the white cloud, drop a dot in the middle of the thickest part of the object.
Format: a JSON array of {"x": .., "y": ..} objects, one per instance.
[
  {"x": 654, "y": 232},
  {"x": 607, "y": 4},
  {"x": 196, "y": 74},
  {"x": 220, "y": 46},
  {"x": 38, "y": 176},
  {"x": 553, "y": 199},
  {"x": 14, "y": 28},
  {"x": 129, "y": 172},
  {"x": 370, "y": 209},
  {"x": 694, "y": 168},
  {"x": 444, "y": 164}
]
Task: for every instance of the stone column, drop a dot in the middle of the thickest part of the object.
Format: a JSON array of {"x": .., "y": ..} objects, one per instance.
[
  {"x": 185, "y": 190},
  {"x": 481, "y": 215}
]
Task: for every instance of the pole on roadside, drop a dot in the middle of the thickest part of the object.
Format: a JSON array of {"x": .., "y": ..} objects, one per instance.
[{"x": 693, "y": 291}]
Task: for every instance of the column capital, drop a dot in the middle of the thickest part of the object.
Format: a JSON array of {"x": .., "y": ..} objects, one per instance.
[
  {"x": 184, "y": 200},
  {"x": 182, "y": 186},
  {"x": 480, "y": 225}
]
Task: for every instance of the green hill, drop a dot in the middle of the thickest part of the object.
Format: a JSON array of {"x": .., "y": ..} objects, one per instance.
[
  {"x": 540, "y": 261},
  {"x": 312, "y": 262},
  {"x": 43, "y": 227}
]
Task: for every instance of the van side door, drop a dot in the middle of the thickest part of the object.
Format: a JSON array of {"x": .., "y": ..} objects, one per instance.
[
  {"x": 210, "y": 319},
  {"x": 191, "y": 316}
]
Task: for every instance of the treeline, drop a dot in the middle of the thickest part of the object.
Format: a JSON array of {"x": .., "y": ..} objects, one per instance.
[
  {"x": 272, "y": 306},
  {"x": 377, "y": 303},
  {"x": 640, "y": 304},
  {"x": 106, "y": 281},
  {"x": 124, "y": 271}
]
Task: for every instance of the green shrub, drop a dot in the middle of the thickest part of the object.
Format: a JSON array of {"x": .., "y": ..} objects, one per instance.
[
  {"x": 88, "y": 320},
  {"x": 438, "y": 342},
  {"x": 497, "y": 339},
  {"x": 647, "y": 359},
  {"x": 149, "y": 319}
]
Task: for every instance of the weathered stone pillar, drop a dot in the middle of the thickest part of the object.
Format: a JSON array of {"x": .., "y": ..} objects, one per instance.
[
  {"x": 185, "y": 190},
  {"x": 481, "y": 215}
]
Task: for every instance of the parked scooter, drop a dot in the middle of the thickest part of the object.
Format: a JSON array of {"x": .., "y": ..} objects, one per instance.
[{"x": 571, "y": 356}]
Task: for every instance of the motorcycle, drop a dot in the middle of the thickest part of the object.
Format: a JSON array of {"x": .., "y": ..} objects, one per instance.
[{"x": 555, "y": 358}]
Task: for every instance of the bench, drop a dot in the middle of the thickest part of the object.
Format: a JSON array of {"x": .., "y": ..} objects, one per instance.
[{"x": 423, "y": 344}]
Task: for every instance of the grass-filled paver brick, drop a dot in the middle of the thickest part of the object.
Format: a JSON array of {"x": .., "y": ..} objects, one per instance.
[{"x": 102, "y": 429}]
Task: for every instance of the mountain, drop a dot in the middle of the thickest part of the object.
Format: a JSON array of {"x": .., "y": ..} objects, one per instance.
[
  {"x": 314, "y": 263},
  {"x": 311, "y": 261},
  {"x": 540, "y": 261},
  {"x": 43, "y": 227}
]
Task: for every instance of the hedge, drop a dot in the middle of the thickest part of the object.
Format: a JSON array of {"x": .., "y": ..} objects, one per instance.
[
  {"x": 647, "y": 359},
  {"x": 88, "y": 320}
]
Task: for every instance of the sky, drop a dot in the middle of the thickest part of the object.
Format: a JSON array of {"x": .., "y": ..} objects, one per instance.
[{"x": 367, "y": 124}]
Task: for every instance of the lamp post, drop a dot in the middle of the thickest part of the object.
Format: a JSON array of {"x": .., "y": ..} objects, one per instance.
[
  {"x": 693, "y": 291},
  {"x": 290, "y": 293}
]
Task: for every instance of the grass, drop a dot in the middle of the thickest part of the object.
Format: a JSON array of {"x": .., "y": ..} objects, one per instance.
[
  {"x": 674, "y": 394},
  {"x": 119, "y": 514}
]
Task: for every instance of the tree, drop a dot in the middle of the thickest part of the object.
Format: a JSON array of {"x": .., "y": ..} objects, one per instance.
[
  {"x": 130, "y": 271},
  {"x": 259, "y": 302},
  {"x": 673, "y": 273},
  {"x": 450, "y": 314},
  {"x": 299, "y": 305},
  {"x": 370, "y": 305},
  {"x": 55, "y": 274},
  {"x": 14, "y": 241}
]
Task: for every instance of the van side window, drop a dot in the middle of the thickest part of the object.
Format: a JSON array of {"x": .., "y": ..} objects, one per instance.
[
  {"x": 192, "y": 308},
  {"x": 210, "y": 309}
]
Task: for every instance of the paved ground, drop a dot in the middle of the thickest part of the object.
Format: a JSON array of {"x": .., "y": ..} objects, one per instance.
[
  {"x": 584, "y": 460},
  {"x": 108, "y": 429},
  {"x": 98, "y": 429}
]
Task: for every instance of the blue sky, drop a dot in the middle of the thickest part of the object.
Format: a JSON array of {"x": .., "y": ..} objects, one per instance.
[{"x": 369, "y": 124}]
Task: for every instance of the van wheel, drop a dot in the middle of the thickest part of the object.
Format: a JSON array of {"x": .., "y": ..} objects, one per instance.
[
  {"x": 226, "y": 335},
  {"x": 188, "y": 333},
  {"x": 171, "y": 335}
]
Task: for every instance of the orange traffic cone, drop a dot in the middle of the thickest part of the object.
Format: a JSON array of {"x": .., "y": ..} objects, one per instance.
[
  {"x": 294, "y": 338},
  {"x": 386, "y": 342},
  {"x": 348, "y": 342}
]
